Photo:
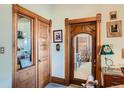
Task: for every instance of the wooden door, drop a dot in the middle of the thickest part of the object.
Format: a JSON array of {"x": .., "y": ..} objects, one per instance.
[
  {"x": 24, "y": 64},
  {"x": 83, "y": 47},
  {"x": 43, "y": 53}
]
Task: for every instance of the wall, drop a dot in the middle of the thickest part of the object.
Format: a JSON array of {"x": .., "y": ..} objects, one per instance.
[
  {"x": 57, "y": 13},
  {"x": 81, "y": 11},
  {"x": 6, "y": 38},
  {"x": 6, "y": 41}
]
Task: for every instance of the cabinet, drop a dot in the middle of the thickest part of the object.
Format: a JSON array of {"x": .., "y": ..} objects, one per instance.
[
  {"x": 24, "y": 58},
  {"x": 113, "y": 80},
  {"x": 31, "y": 49}
]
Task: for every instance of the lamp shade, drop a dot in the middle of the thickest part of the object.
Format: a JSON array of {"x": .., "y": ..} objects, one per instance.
[{"x": 106, "y": 50}]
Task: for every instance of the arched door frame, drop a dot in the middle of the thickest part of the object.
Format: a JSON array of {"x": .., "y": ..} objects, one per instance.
[{"x": 68, "y": 22}]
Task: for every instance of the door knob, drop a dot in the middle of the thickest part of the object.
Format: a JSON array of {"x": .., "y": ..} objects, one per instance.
[{"x": 39, "y": 60}]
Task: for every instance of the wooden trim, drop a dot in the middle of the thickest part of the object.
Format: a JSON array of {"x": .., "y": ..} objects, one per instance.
[
  {"x": 37, "y": 52},
  {"x": 78, "y": 81},
  {"x": 98, "y": 58},
  {"x": 20, "y": 9},
  {"x": 35, "y": 47},
  {"x": 58, "y": 80},
  {"x": 50, "y": 37},
  {"x": 67, "y": 53},
  {"x": 81, "y": 20},
  {"x": 14, "y": 27},
  {"x": 68, "y": 22}
]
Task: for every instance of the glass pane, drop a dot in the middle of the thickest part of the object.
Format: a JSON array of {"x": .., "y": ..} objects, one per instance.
[
  {"x": 24, "y": 42},
  {"x": 82, "y": 45}
]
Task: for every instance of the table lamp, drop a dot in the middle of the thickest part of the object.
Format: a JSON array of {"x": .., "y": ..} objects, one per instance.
[{"x": 106, "y": 50}]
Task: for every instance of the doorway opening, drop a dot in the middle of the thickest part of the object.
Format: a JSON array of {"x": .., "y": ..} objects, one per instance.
[
  {"x": 82, "y": 44},
  {"x": 82, "y": 50}
]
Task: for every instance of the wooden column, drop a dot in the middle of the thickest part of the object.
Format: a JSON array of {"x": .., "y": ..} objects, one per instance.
[
  {"x": 67, "y": 58},
  {"x": 98, "y": 59}
]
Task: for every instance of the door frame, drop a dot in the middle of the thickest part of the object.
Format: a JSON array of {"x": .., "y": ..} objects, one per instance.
[
  {"x": 68, "y": 22},
  {"x": 21, "y": 10}
]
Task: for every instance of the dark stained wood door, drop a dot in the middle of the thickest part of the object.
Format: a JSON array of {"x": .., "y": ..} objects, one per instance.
[
  {"x": 43, "y": 54},
  {"x": 83, "y": 51}
]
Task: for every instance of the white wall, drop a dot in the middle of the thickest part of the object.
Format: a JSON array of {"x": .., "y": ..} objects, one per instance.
[
  {"x": 6, "y": 38},
  {"x": 81, "y": 11},
  {"x": 57, "y": 13},
  {"x": 6, "y": 41}
]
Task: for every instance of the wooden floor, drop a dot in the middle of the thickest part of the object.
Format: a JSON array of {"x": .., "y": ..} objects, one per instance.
[{"x": 54, "y": 85}]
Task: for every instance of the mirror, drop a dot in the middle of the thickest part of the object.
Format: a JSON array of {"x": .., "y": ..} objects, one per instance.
[
  {"x": 82, "y": 44},
  {"x": 24, "y": 42}
]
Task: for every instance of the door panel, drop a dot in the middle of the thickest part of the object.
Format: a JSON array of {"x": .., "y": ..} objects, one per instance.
[
  {"x": 26, "y": 78},
  {"x": 83, "y": 39},
  {"x": 43, "y": 54}
]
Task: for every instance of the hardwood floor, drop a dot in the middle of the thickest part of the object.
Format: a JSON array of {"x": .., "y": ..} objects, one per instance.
[{"x": 55, "y": 85}]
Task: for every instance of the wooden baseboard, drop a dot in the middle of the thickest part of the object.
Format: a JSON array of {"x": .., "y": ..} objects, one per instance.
[{"x": 58, "y": 80}]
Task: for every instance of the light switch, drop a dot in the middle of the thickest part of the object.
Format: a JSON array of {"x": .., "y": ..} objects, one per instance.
[{"x": 2, "y": 50}]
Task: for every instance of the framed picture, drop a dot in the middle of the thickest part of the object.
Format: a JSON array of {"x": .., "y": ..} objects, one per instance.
[
  {"x": 114, "y": 29},
  {"x": 113, "y": 15},
  {"x": 25, "y": 63},
  {"x": 57, "y": 36},
  {"x": 123, "y": 53}
]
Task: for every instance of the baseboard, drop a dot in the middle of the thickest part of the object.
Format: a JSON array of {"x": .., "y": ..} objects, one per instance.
[{"x": 58, "y": 80}]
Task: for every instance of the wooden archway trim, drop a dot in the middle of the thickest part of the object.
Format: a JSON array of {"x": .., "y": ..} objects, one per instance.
[{"x": 68, "y": 22}]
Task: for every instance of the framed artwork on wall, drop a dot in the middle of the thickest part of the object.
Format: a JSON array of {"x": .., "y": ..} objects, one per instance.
[
  {"x": 114, "y": 28},
  {"x": 57, "y": 36},
  {"x": 113, "y": 15},
  {"x": 123, "y": 53}
]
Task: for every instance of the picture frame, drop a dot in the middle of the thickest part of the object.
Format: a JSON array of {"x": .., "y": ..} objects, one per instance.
[
  {"x": 114, "y": 28},
  {"x": 122, "y": 53},
  {"x": 113, "y": 15},
  {"x": 57, "y": 36},
  {"x": 25, "y": 63}
]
